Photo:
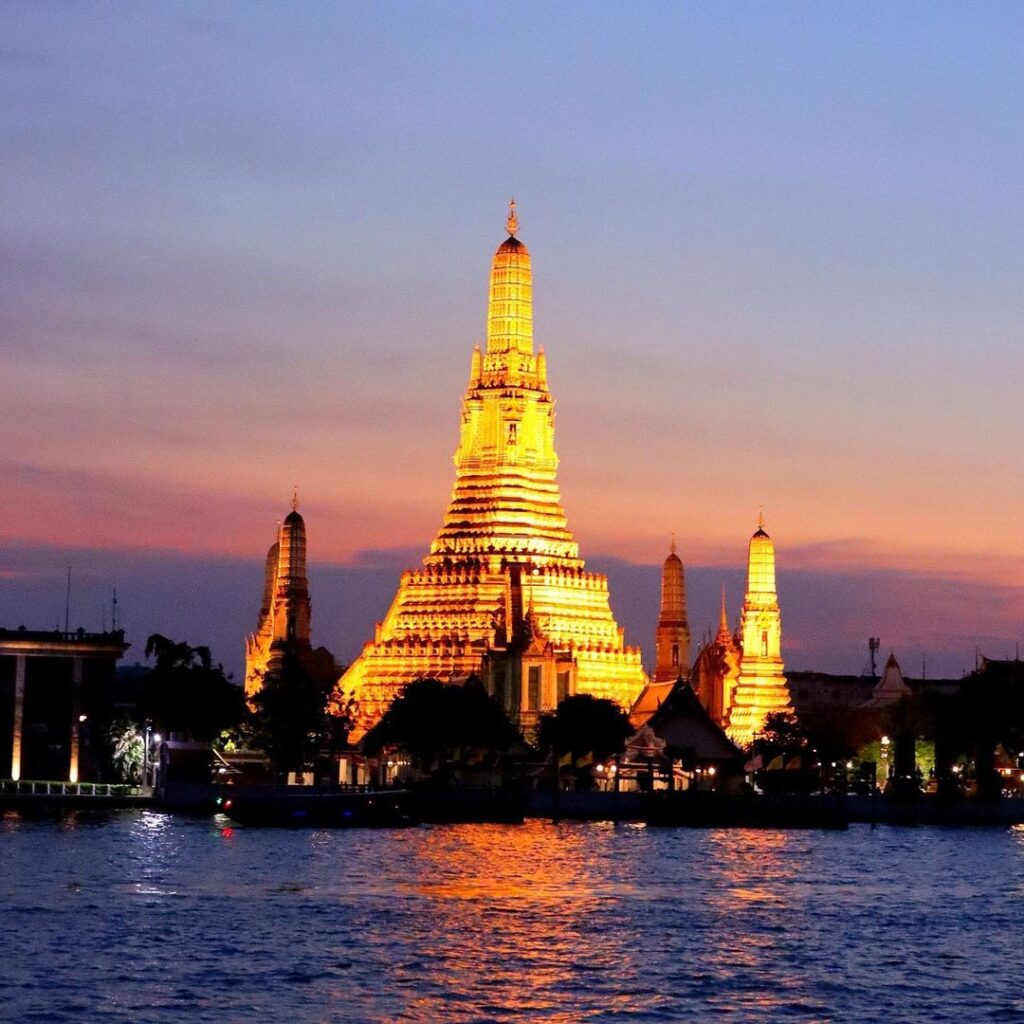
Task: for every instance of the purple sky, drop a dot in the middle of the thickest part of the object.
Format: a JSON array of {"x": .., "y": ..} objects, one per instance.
[{"x": 777, "y": 253}]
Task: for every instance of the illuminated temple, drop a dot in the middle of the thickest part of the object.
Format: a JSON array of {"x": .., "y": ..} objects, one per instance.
[
  {"x": 285, "y": 618},
  {"x": 760, "y": 688},
  {"x": 503, "y": 593}
]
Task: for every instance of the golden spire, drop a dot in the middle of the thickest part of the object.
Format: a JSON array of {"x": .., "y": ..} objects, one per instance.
[
  {"x": 672, "y": 640},
  {"x": 723, "y": 623},
  {"x": 510, "y": 301},
  {"x": 295, "y": 498},
  {"x": 672, "y": 544},
  {"x": 760, "y": 518}
]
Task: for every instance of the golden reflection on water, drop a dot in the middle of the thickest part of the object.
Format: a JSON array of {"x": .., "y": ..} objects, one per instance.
[
  {"x": 524, "y": 899},
  {"x": 753, "y": 865},
  {"x": 752, "y": 872}
]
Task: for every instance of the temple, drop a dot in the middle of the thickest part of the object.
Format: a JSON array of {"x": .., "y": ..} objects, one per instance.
[
  {"x": 503, "y": 594},
  {"x": 716, "y": 671},
  {"x": 761, "y": 687},
  {"x": 672, "y": 640},
  {"x": 285, "y": 618}
]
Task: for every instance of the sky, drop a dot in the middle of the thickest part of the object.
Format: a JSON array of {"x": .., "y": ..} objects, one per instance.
[{"x": 776, "y": 250}]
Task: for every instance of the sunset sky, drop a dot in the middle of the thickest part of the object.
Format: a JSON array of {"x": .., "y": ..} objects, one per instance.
[{"x": 777, "y": 257}]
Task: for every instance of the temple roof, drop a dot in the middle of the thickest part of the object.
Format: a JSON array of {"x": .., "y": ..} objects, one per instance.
[
  {"x": 682, "y": 722},
  {"x": 512, "y": 244}
]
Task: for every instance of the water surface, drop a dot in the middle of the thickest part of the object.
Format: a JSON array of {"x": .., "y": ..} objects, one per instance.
[{"x": 141, "y": 916}]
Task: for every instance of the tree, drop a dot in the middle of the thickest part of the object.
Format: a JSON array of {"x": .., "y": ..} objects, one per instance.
[
  {"x": 584, "y": 724},
  {"x": 289, "y": 720},
  {"x": 429, "y": 720},
  {"x": 782, "y": 734},
  {"x": 185, "y": 693},
  {"x": 126, "y": 750}
]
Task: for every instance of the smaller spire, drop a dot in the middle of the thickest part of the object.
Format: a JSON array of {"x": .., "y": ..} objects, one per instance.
[
  {"x": 760, "y": 517},
  {"x": 512, "y": 223},
  {"x": 723, "y": 635},
  {"x": 672, "y": 543},
  {"x": 295, "y": 498}
]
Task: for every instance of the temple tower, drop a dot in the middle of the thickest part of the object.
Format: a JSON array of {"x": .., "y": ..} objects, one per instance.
[
  {"x": 716, "y": 670},
  {"x": 285, "y": 612},
  {"x": 672, "y": 641},
  {"x": 761, "y": 687},
  {"x": 504, "y": 547}
]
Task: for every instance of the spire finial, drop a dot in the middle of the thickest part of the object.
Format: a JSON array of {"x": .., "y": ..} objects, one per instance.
[
  {"x": 760, "y": 517},
  {"x": 672, "y": 543},
  {"x": 295, "y": 498},
  {"x": 725, "y": 621},
  {"x": 512, "y": 223}
]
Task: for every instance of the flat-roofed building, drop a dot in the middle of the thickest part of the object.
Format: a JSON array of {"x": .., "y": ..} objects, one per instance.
[{"x": 55, "y": 702}]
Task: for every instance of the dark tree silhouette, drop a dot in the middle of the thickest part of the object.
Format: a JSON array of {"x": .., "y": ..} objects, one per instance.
[
  {"x": 289, "y": 720},
  {"x": 186, "y": 693},
  {"x": 430, "y": 720},
  {"x": 583, "y": 724}
]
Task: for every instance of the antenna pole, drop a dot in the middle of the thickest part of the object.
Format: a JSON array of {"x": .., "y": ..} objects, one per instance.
[{"x": 67, "y": 604}]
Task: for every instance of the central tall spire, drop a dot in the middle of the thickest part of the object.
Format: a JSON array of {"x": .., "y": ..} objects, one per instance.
[
  {"x": 506, "y": 495},
  {"x": 502, "y": 594},
  {"x": 510, "y": 302}
]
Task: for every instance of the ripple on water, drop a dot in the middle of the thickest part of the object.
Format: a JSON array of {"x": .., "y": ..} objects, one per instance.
[{"x": 141, "y": 916}]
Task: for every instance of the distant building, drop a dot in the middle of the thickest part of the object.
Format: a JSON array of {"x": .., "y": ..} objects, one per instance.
[
  {"x": 672, "y": 641},
  {"x": 285, "y": 619},
  {"x": 56, "y": 703}
]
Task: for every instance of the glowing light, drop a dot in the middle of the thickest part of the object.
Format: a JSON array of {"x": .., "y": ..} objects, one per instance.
[
  {"x": 157, "y": 738},
  {"x": 761, "y": 688},
  {"x": 503, "y": 577}
]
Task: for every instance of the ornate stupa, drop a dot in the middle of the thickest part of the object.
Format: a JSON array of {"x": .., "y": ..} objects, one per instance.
[
  {"x": 672, "y": 640},
  {"x": 716, "y": 670},
  {"x": 285, "y": 612},
  {"x": 761, "y": 687},
  {"x": 503, "y": 593}
]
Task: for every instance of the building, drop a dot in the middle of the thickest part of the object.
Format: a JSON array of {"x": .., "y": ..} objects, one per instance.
[
  {"x": 685, "y": 731},
  {"x": 717, "y": 670},
  {"x": 503, "y": 592},
  {"x": 56, "y": 702},
  {"x": 286, "y": 614},
  {"x": 761, "y": 687},
  {"x": 672, "y": 640}
]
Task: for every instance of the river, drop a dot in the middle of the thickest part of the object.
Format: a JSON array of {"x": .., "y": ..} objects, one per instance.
[{"x": 146, "y": 917}]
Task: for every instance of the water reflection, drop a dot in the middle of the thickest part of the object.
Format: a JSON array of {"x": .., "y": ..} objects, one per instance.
[{"x": 165, "y": 919}]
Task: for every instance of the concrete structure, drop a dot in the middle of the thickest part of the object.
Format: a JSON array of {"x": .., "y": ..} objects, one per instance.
[
  {"x": 55, "y": 701},
  {"x": 672, "y": 640},
  {"x": 503, "y": 548},
  {"x": 761, "y": 686}
]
